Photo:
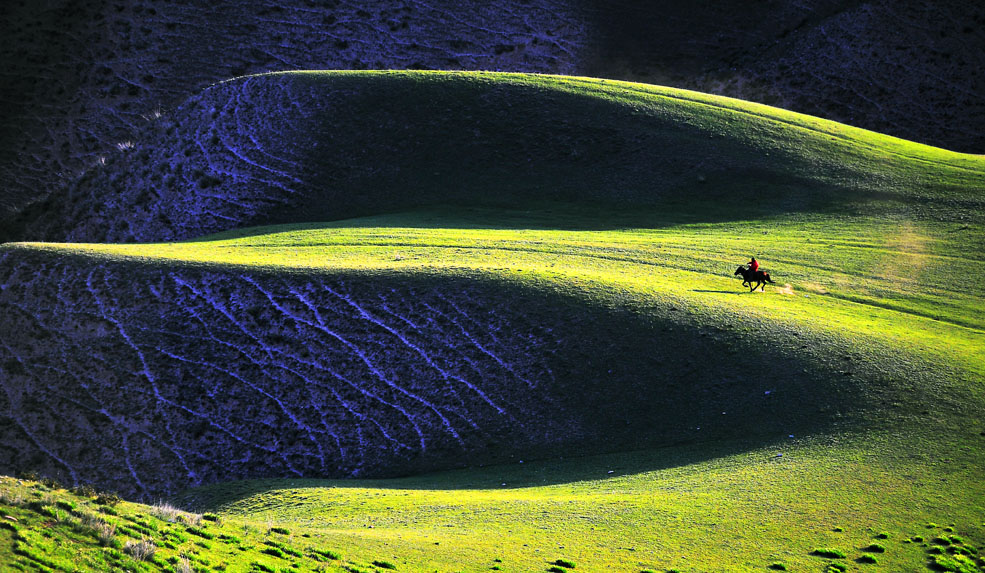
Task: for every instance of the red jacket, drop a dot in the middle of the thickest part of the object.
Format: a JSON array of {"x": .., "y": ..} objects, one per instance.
[{"x": 754, "y": 265}]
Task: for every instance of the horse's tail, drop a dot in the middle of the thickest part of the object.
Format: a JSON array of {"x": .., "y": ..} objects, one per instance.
[{"x": 767, "y": 277}]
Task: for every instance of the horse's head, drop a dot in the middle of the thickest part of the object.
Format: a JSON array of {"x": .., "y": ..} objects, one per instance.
[{"x": 739, "y": 271}]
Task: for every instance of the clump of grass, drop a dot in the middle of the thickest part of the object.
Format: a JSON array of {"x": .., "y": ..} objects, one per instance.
[
  {"x": 327, "y": 554},
  {"x": 871, "y": 559},
  {"x": 142, "y": 550},
  {"x": 875, "y": 548},
  {"x": 567, "y": 564},
  {"x": 200, "y": 532},
  {"x": 838, "y": 529},
  {"x": 273, "y": 551},
  {"x": 261, "y": 567},
  {"x": 917, "y": 539},
  {"x": 66, "y": 505},
  {"x": 829, "y": 552},
  {"x": 556, "y": 569},
  {"x": 882, "y": 535},
  {"x": 214, "y": 518},
  {"x": 384, "y": 565},
  {"x": 837, "y": 567},
  {"x": 956, "y": 563},
  {"x": 778, "y": 566},
  {"x": 281, "y": 530}
]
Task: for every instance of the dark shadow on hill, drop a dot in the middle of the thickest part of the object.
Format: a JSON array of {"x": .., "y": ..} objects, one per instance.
[
  {"x": 586, "y": 215},
  {"x": 499, "y": 371},
  {"x": 515, "y": 474}
]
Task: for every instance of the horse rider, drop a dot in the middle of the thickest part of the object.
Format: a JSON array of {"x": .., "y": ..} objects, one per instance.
[{"x": 753, "y": 265}]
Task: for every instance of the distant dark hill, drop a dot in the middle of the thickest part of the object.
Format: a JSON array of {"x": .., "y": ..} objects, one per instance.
[
  {"x": 319, "y": 146},
  {"x": 915, "y": 70}
]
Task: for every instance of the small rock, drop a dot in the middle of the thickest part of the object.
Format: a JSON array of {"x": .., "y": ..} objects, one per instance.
[
  {"x": 611, "y": 472},
  {"x": 10, "y": 517}
]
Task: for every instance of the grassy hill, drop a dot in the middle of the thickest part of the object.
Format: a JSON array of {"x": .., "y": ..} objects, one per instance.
[
  {"x": 316, "y": 146},
  {"x": 592, "y": 319}
]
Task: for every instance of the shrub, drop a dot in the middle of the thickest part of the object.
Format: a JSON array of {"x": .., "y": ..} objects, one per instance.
[
  {"x": 211, "y": 517},
  {"x": 109, "y": 499},
  {"x": 67, "y": 506},
  {"x": 565, "y": 563},
  {"x": 183, "y": 566},
  {"x": 273, "y": 551},
  {"x": 384, "y": 565},
  {"x": 256, "y": 565},
  {"x": 917, "y": 539},
  {"x": 105, "y": 533},
  {"x": 867, "y": 559},
  {"x": 875, "y": 548},
  {"x": 281, "y": 530},
  {"x": 142, "y": 550},
  {"x": 166, "y": 512},
  {"x": 837, "y": 567},
  {"x": 778, "y": 566},
  {"x": 828, "y": 552},
  {"x": 882, "y": 535},
  {"x": 84, "y": 490},
  {"x": 556, "y": 569}
]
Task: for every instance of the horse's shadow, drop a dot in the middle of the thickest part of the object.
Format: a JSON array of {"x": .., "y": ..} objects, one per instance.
[{"x": 721, "y": 291}]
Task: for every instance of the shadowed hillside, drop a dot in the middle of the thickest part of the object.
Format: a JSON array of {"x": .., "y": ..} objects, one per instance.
[{"x": 179, "y": 377}]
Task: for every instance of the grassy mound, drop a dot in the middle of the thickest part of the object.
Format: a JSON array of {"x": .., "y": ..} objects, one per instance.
[{"x": 316, "y": 146}]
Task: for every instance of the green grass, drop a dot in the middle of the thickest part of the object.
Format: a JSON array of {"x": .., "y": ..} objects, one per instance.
[
  {"x": 854, "y": 294},
  {"x": 30, "y": 540},
  {"x": 879, "y": 293}
]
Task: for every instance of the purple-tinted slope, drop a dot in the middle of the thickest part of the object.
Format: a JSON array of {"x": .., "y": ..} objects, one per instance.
[{"x": 148, "y": 379}]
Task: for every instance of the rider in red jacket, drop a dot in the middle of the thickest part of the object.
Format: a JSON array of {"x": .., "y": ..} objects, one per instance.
[{"x": 753, "y": 265}]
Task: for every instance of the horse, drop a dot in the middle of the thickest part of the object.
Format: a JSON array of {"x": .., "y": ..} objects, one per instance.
[{"x": 749, "y": 276}]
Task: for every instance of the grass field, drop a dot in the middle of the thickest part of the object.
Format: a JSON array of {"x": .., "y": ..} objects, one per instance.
[
  {"x": 912, "y": 456},
  {"x": 880, "y": 290}
]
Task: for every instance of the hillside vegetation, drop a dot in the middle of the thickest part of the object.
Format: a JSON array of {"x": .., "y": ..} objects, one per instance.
[{"x": 564, "y": 327}]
